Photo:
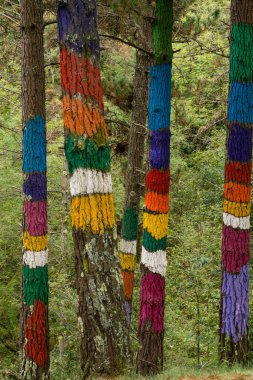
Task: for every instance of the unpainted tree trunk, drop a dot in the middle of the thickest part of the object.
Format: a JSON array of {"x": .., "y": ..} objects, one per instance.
[
  {"x": 34, "y": 331},
  {"x": 101, "y": 314},
  {"x": 65, "y": 212},
  {"x": 134, "y": 174},
  {"x": 155, "y": 217},
  {"x": 237, "y": 189}
]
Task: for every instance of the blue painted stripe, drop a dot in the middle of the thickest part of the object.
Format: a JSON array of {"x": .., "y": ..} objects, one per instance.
[
  {"x": 34, "y": 146},
  {"x": 240, "y": 103},
  {"x": 239, "y": 144},
  {"x": 160, "y": 97},
  {"x": 160, "y": 149}
]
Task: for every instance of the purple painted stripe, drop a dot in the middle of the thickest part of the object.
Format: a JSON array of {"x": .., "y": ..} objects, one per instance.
[
  {"x": 160, "y": 149},
  {"x": 235, "y": 249},
  {"x": 36, "y": 217},
  {"x": 240, "y": 144},
  {"x": 152, "y": 301},
  {"x": 35, "y": 186},
  {"x": 128, "y": 311},
  {"x": 77, "y": 26},
  {"x": 235, "y": 292}
]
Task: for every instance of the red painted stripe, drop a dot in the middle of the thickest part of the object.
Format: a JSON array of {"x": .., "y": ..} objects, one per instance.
[
  {"x": 238, "y": 172},
  {"x": 36, "y": 345},
  {"x": 158, "y": 181},
  {"x": 85, "y": 79}
]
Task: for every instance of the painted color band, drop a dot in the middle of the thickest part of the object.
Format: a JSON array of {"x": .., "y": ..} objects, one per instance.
[
  {"x": 156, "y": 262},
  {"x": 236, "y": 222},
  {"x": 156, "y": 224},
  {"x": 87, "y": 181},
  {"x": 35, "y": 259},
  {"x": 128, "y": 246}
]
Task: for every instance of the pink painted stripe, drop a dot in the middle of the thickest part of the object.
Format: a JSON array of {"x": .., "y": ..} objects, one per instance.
[
  {"x": 152, "y": 301},
  {"x": 36, "y": 217},
  {"x": 235, "y": 249}
]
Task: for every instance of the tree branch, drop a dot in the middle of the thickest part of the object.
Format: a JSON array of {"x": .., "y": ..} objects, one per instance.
[
  {"x": 49, "y": 22},
  {"x": 126, "y": 42}
]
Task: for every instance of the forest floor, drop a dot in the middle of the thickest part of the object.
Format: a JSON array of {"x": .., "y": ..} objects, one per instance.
[
  {"x": 244, "y": 375},
  {"x": 188, "y": 374},
  {"x": 229, "y": 376}
]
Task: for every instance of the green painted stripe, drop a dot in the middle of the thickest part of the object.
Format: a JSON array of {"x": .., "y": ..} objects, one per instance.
[
  {"x": 130, "y": 224},
  {"x": 151, "y": 244},
  {"x": 162, "y": 32},
  {"x": 84, "y": 153},
  {"x": 35, "y": 284},
  {"x": 241, "y": 53}
]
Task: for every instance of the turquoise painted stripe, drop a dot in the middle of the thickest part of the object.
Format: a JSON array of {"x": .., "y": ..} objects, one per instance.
[
  {"x": 240, "y": 103},
  {"x": 160, "y": 97},
  {"x": 34, "y": 145}
]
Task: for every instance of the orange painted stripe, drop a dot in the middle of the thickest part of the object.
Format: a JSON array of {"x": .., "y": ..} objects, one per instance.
[
  {"x": 157, "y": 202},
  {"x": 236, "y": 192},
  {"x": 81, "y": 118},
  {"x": 128, "y": 282}
]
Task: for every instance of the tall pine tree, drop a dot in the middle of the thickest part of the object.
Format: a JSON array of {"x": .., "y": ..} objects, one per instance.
[
  {"x": 237, "y": 190},
  {"x": 134, "y": 176},
  {"x": 101, "y": 314},
  {"x": 34, "y": 335},
  {"x": 155, "y": 217}
]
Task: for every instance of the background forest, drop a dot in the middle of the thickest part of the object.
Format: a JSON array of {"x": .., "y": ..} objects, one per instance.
[{"x": 199, "y": 103}]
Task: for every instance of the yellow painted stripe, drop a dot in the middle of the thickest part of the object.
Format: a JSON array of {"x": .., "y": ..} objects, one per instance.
[
  {"x": 156, "y": 224},
  {"x": 127, "y": 261},
  {"x": 236, "y": 208},
  {"x": 94, "y": 212},
  {"x": 35, "y": 243}
]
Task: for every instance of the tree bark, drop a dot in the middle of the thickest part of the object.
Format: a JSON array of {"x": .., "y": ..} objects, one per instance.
[
  {"x": 155, "y": 217},
  {"x": 237, "y": 190},
  {"x": 34, "y": 330},
  {"x": 134, "y": 173},
  {"x": 101, "y": 315},
  {"x": 65, "y": 213}
]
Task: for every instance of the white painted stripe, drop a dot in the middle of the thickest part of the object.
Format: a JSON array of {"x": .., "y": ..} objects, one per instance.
[
  {"x": 35, "y": 259},
  {"x": 87, "y": 181},
  {"x": 128, "y": 246},
  {"x": 156, "y": 262},
  {"x": 242, "y": 222}
]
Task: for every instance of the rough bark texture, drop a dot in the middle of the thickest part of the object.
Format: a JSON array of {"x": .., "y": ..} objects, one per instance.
[
  {"x": 101, "y": 314},
  {"x": 134, "y": 176},
  {"x": 155, "y": 217},
  {"x": 65, "y": 212},
  {"x": 34, "y": 334},
  {"x": 237, "y": 190}
]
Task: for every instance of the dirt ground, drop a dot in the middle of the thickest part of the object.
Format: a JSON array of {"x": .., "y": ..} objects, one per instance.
[{"x": 229, "y": 376}]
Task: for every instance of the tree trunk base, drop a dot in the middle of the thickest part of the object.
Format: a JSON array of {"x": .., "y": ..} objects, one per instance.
[{"x": 150, "y": 354}]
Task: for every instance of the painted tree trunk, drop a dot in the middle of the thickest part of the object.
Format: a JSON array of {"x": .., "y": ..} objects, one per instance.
[
  {"x": 237, "y": 191},
  {"x": 155, "y": 217},
  {"x": 34, "y": 333},
  {"x": 134, "y": 176},
  {"x": 101, "y": 314}
]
